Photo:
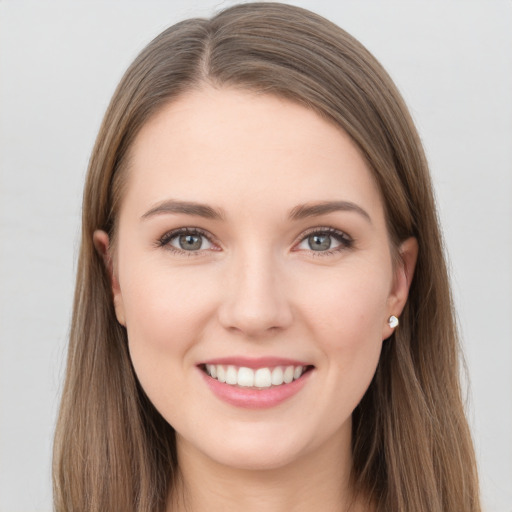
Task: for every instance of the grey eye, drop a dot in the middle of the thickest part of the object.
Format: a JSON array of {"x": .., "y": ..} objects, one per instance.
[
  {"x": 325, "y": 241},
  {"x": 319, "y": 242},
  {"x": 190, "y": 242}
]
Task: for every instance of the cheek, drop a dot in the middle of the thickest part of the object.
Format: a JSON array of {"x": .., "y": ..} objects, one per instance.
[
  {"x": 353, "y": 297},
  {"x": 165, "y": 316},
  {"x": 163, "y": 306},
  {"x": 346, "y": 311}
]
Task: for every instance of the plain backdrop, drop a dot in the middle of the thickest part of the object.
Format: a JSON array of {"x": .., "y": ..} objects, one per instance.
[{"x": 59, "y": 64}]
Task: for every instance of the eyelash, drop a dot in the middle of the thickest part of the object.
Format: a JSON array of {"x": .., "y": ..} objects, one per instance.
[
  {"x": 165, "y": 240},
  {"x": 345, "y": 241}
]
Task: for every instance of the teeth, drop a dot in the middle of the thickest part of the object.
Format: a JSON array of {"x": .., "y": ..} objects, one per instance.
[
  {"x": 263, "y": 378},
  {"x": 221, "y": 374},
  {"x": 288, "y": 374},
  {"x": 260, "y": 378},
  {"x": 231, "y": 375},
  {"x": 277, "y": 376},
  {"x": 245, "y": 377},
  {"x": 211, "y": 370}
]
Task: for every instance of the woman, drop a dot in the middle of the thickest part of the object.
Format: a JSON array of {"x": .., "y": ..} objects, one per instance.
[{"x": 262, "y": 314}]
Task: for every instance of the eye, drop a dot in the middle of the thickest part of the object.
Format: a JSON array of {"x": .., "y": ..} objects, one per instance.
[
  {"x": 190, "y": 242},
  {"x": 186, "y": 240},
  {"x": 326, "y": 240}
]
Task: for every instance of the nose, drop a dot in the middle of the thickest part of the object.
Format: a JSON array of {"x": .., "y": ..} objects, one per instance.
[{"x": 255, "y": 301}]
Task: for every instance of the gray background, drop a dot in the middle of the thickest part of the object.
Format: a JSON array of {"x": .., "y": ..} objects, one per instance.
[{"x": 59, "y": 64}]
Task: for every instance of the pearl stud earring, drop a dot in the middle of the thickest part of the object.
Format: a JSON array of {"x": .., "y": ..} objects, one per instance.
[{"x": 393, "y": 321}]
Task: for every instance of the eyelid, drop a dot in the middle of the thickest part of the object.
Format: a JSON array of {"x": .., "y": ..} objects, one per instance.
[
  {"x": 164, "y": 240},
  {"x": 346, "y": 241}
]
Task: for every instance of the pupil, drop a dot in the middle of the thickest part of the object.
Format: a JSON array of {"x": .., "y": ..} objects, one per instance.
[
  {"x": 190, "y": 242},
  {"x": 319, "y": 242}
]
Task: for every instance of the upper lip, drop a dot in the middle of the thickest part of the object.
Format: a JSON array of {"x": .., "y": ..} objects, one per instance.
[{"x": 254, "y": 363}]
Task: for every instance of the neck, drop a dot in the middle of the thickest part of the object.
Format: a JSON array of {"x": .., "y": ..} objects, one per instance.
[{"x": 316, "y": 481}]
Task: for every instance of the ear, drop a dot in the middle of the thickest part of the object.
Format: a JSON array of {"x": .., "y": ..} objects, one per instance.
[
  {"x": 102, "y": 244},
  {"x": 404, "y": 272}
]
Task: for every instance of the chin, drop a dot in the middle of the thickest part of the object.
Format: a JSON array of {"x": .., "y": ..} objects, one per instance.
[
  {"x": 251, "y": 458},
  {"x": 255, "y": 449}
]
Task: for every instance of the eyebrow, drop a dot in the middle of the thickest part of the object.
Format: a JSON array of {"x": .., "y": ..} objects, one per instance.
[
  {"x": 299, "y": 212},
  {"x": 184, "y": 207},
  {"x": 316, "y": 209}
]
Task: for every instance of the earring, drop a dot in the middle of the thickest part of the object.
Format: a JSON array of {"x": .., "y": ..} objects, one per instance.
[{"x": 393, "y": 321}]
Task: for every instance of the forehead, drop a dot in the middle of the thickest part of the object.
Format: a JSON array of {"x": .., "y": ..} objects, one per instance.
[{"x": 235, "y": 148}]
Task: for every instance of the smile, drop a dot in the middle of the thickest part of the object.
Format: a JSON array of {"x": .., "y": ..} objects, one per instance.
[
  {"x": 259, "y": 378},
  {"x": 255, "y": 383}
]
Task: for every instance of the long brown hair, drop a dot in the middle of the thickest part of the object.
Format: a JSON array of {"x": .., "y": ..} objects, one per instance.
[{"x": 412, "y": 449}]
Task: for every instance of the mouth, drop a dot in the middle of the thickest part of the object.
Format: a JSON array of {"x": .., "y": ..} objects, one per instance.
[{"x": 262, "y": 378}]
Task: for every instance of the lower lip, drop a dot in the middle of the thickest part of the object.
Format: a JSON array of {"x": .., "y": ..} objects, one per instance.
[{"x": 250, "y": 398}]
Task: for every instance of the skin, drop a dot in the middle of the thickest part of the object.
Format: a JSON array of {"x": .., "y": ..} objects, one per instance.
[{"x": 255, "y": 288}]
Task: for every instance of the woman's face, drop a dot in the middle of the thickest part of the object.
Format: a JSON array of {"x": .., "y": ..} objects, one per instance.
[{"x": 252, "y": 248}]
